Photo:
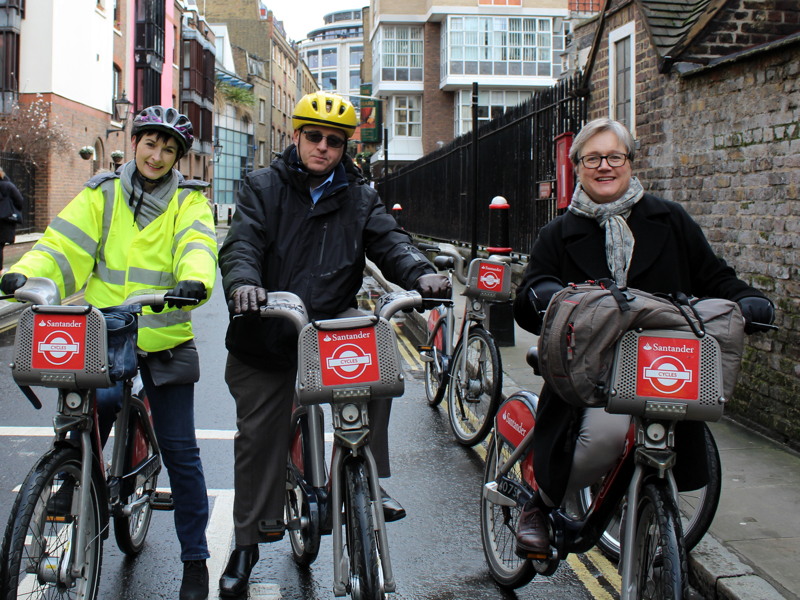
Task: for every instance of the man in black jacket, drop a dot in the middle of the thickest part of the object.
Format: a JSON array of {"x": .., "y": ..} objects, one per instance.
[{"x": 302, "y": 225}]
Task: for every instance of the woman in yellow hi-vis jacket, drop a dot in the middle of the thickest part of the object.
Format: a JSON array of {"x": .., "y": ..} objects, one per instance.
[{"x": 145, "y": 227}]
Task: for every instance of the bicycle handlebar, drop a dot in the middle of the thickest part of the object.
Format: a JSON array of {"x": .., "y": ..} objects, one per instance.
[{"x": 289, "y": 306}]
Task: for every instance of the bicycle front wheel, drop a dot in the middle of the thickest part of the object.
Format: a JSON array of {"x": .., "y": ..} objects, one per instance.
[
  {"x": 131, "y": 529},
  {"x": 696, "y": 507},
  {"x": 39, "y": 543},
  {"x": 475, "y": 387},
  {"x": 362, "y": 544},
  {"x": 499, "y": 525},
  {"x": 660, "y": 565},
  {"x": 436, "y": 366}
]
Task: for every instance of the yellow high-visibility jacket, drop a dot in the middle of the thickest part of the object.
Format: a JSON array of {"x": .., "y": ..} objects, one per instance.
[{"x": 95, "y": 241}]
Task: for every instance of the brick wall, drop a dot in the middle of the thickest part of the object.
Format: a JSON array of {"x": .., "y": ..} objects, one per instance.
[
  {"x": 724, "y": 143},
  {"x": 437, "y": 105}
]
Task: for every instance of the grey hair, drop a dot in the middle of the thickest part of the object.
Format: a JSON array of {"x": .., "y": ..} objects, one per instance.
[{"x": 592, "y": 128}]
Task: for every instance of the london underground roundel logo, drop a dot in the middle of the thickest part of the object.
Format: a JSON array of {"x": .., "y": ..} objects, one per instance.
[
  {"x": 490, "y": 277},
  {"x": 349, "y": 361},
  {"x": 667, "y": 374},
  {"x": 58, "y": 347}
]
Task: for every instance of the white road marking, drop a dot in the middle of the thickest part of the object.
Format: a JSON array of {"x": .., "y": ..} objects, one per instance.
[{"x": 202, "y": 434}]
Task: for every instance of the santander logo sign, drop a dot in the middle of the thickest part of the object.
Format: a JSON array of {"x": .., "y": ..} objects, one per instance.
[
  {"x": 668, "y": 368},
  {"x": 348, "y": 356},
  {"x": 490, "y": 277},
  {"x": 58, "y": 342}
]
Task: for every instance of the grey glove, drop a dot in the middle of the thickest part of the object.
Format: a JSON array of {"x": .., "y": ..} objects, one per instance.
[
  {"x": 248, "y": 299},
  {"x": 433, "y": 285},
  {"x": 758, "y": 313}
]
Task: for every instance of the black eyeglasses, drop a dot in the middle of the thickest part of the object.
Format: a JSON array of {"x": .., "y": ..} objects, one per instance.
[
  {"x": 594, "y": 161},
  {"x": 315, "y": 137}
]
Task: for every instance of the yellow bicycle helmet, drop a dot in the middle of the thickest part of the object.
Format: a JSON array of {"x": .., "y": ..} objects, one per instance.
[{"x": 324, "y": 108}]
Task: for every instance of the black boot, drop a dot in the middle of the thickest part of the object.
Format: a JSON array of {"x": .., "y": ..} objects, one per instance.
[
  {"x": 195, "y": 580},
  {"x": 392, "y": 509},
  {"x": 236, "y": 576}
]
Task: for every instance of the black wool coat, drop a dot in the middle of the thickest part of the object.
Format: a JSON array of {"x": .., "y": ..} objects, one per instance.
[{"x": 671, "y": 254}]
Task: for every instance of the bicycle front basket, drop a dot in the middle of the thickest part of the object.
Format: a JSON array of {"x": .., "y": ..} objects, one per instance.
[
  {"x": 667, "y": 374},
  {"x": 61, "y": 346},
  {"x": 344, "y": 359}
]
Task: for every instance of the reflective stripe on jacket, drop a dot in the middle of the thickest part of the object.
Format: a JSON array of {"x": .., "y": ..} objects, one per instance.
[{"x": 95, "y": 241}]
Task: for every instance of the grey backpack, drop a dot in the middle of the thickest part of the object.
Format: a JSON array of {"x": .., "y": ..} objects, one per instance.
[{"x": 584, "y": 322}]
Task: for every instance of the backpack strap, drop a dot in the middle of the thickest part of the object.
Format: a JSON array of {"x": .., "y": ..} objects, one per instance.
[{"x": 681, "y": 301}]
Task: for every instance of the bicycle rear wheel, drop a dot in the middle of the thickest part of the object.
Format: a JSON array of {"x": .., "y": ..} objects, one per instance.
[
  {"x": 475, "y": 387},
  {"x": 499, "y": 525},
  {"x": 436, "y": 367},
  {"x": 39, "y": 542},
  {"x": 366, "y": 576},
  {"x": 130, "y": 530},
  {"x": 696, "y": 507},
  {"x": 660, "y": 565}
]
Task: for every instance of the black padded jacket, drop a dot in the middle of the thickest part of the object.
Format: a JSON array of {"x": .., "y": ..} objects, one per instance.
[{"x": 281, "y": 241}]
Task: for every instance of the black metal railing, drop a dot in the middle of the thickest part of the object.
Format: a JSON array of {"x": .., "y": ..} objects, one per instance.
[{"x": 516, "y": 160}]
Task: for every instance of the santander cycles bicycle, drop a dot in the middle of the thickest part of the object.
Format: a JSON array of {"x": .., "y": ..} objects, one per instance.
[
  {"x": 651, "y": 537},
  {"x": 464, "y": 360},
  {"x": 53, "y": 543},
  {"x": 343, "y": 362}
]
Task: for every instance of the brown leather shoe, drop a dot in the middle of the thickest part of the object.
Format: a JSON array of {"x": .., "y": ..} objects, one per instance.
[{"x": 533, "y": 536}]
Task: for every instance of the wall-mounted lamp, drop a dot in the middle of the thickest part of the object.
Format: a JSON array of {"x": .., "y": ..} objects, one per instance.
[
  {"x": 217, "y": 150},
  {"x": 122, "y": 110}
]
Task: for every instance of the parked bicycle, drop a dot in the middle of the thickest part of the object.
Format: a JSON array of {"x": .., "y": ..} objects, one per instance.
[
  {"x": 343, "y": 362},
  {"x": 53, "y": 543},
  {"x": 464, "y": 359},
  {"x": 635, "y": 508}
]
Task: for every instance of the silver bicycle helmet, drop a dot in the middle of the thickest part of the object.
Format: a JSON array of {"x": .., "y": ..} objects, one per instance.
[{"x": 166, "y": 120}]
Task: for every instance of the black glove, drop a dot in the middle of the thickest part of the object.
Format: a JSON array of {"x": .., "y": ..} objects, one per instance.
[
  {"x": 248, "y": 299},
  {"x": 540, "y": 294},
  {"x": 757, "y": 312},
  {"x": 433, "y": 285},
  {"x": 11, "y": 282},
  {"x": 196, "y": 290}
]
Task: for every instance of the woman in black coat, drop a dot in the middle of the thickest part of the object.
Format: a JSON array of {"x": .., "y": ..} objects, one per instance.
[
  {"x": 10, "y": 204},
  {"x": 612, "y": 229}
]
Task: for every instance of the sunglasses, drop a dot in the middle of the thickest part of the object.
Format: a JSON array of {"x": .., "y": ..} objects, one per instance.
[{"x": 315, "y": 137}]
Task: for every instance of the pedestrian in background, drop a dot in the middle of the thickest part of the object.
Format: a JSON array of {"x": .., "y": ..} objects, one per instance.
[{"x": 10, "y": 213}]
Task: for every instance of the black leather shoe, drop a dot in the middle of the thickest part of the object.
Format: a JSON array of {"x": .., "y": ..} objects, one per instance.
[
  {"x": 533, "y": 535},
  {"x": 195, "y": 580},
  {"x": 392, "y": 510},
  {"x": 236, "y": 576}
]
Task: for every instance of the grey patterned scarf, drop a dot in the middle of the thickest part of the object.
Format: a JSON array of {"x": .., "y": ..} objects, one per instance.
[
  {"x": 146, "y": 206},
  {"x": 613, "y": 218}
]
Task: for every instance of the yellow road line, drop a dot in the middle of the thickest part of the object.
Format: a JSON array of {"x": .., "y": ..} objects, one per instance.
[
  {"x": 589, "y": 581},
  {"x": 605, "y": 567}
]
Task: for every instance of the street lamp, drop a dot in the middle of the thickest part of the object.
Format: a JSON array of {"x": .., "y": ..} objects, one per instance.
[
  {"x": 122, "y": 110},
  {"x": 217, "y": 150}
]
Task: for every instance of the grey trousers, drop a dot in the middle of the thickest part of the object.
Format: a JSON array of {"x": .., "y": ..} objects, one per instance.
[
  {"x": 261, "y": 446},
  {"x": 601, "y": 440}
]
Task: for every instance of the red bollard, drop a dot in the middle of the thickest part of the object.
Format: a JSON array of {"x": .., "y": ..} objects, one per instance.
[
  {"x": 499, "y": 316},
  {"x": 498, "y": 226}
]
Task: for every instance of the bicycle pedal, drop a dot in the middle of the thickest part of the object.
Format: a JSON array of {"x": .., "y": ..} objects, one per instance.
[
  {"x": 424, "y": 353},
  {"x": 162, "y": 501}
]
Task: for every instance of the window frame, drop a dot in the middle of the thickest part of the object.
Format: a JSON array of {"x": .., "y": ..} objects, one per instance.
[{"x": 614, "y": 37}]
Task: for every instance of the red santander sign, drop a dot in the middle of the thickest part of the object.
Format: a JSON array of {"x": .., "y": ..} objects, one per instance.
[
  {"x": 348, "y": 356},
  {"x": 490, "y": 277},
  {"x": 59, "y": 342},
  {"x": 668, "y": 368}
]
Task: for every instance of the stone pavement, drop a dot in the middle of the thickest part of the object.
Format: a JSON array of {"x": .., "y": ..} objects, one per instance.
[{"x": 752, "y": 550}]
